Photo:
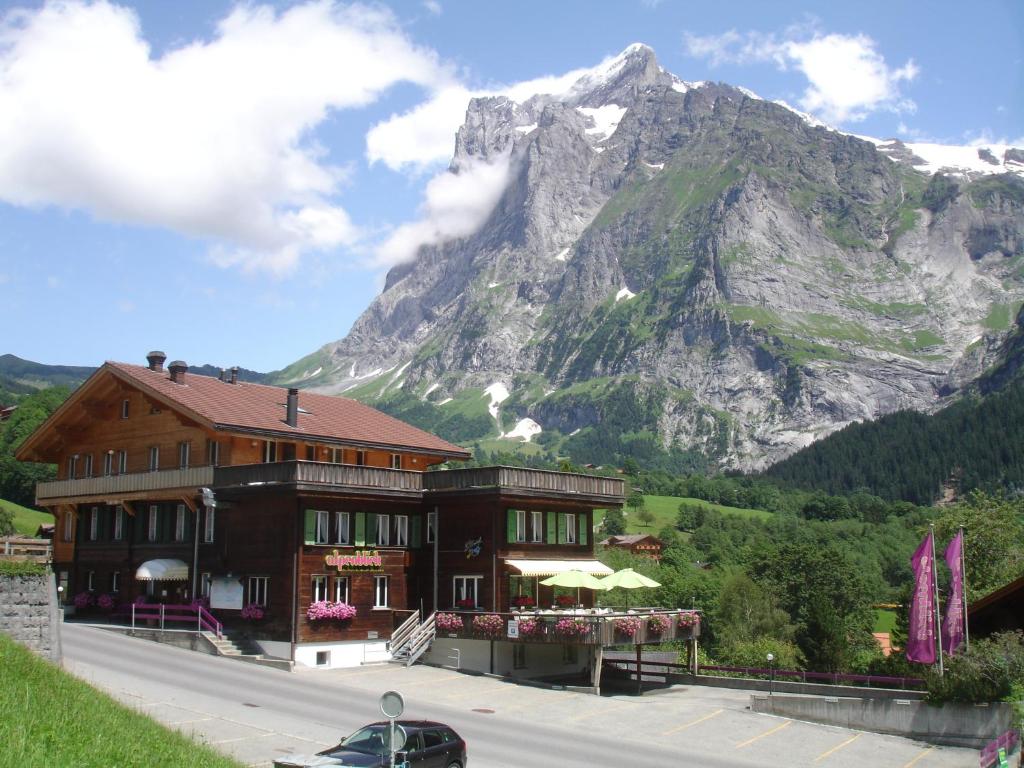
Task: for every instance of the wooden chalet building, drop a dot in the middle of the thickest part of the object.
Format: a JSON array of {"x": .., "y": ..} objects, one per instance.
[
  {"x": 643, "y": 544},
  {"x": 174, "y": 486}
]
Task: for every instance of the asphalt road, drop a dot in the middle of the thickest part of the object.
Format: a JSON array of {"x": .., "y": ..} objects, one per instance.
[{"x": 256, "y": 714}]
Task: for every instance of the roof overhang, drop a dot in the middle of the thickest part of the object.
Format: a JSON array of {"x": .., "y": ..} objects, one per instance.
[
  {"x": 163, "y": 569},
  {"x": 551, "y": 567}
]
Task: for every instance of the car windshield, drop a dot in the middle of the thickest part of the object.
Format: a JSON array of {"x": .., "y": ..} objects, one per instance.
[{"x": 372, "y": 740}]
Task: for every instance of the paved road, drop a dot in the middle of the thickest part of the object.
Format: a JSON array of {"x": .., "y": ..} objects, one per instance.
[{"x": 257, "y": 714}]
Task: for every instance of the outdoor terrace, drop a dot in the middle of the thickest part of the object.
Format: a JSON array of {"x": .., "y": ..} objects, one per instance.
[{"x": 124, "y": 485}]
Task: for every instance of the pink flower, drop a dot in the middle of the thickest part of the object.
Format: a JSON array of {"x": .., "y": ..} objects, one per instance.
[
  {"x": 628, "y": 625},
  {"x": 83, "y": 600},
  {"x": 448, "y": 622},
  {"x": 658, "y": 623},
  {"x": 489, "y": 624},
  {"x": 571, "y": 627},
  {"x": 252, "y": 611}
]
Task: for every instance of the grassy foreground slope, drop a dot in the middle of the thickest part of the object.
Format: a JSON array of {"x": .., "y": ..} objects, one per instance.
[
  {"x": 48, "y": 717},
  {"x": 26, "y": 521}
]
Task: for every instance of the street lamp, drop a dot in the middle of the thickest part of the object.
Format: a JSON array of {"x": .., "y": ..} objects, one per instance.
[{"x": 771, "y": 673}]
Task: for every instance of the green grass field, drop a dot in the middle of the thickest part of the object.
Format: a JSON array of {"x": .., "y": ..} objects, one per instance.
[
  {"x": 666, "y": 509},
  {"x": 48, "y": 717},
  {"x": 885, "y": 620},
  {"x": 26, "y": 521}
]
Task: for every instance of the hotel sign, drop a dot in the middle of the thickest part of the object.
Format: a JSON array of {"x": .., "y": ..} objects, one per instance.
[{"x": 367, "y": 558}]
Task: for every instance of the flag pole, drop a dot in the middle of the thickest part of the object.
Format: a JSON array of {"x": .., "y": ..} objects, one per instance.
[
  {"x": 963, "y": 582},
  {"x": 935, "y": 582}
]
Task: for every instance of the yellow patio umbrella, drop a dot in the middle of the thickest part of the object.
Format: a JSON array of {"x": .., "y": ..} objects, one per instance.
[
  {"x": 575, "y": 579},
  {"x": 627, "y": 578}
]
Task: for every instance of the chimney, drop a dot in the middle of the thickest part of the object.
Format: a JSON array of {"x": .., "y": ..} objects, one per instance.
[
  {"x": 234, "y": 374},
  {"x": 292, "y": 416},
  {"x": 178, "y": 370},
  {"x": 156, "y": 361},
  {"x": 222, "y": 376}
]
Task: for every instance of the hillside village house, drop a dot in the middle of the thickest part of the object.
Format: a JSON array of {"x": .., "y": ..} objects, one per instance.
[
  {"x": 174, "y": 486},
  {"x": 643, "y": 544}
]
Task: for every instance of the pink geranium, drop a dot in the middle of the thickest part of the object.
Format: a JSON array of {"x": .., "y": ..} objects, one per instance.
[
  {"x": 571, "y": 627},
  {"x": 448, "y": 622},
  {"x": 84, "y": 600},
  {"x": 253, "y": 611},
  {"x": 489, "y": 625},
  {"x": 628, "y": 625}
]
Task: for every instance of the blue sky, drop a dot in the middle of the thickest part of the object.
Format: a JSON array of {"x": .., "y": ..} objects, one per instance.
[{"x": 230, "y": 183}]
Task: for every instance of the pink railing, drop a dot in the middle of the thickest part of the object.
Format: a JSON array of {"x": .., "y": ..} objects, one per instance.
[
  {"x": 196, "y": 615},
  {"x": 990, "y": 754}
]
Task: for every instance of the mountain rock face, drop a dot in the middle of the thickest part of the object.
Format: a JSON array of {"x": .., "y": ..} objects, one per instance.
[{"x": 688, "y": 274}]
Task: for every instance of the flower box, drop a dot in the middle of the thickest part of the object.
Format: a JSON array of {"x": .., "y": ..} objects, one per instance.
[
  {"x": 571, "y": 627},
  {"x": 490, "y": 625},
  {"x": 253, "y": 612},
  {"x": 689, "y": 619},
  {"x": 627, "y": 625},
  {"x": 658, "y": 624},
  {"x": 448, "y": 622},
  {"x": 325, "y": 610}
]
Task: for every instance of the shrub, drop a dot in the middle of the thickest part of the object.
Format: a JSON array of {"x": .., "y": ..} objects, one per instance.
[
  {"x": 754, "y": 653},
  {"x": 989, "y": 671},
  {"x": 489, "y": 625}
]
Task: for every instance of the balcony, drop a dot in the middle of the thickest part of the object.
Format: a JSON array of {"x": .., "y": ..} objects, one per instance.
[
  {"x": 611, "y": 628},
  {"x": 121, "y": 486},
  {"x": 520, "y": 481},
  {"x": 306, "y": 475}
]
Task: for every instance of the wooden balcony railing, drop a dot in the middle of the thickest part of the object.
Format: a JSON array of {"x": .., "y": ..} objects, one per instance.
[
  {"x": 24, "y": 548},
  {"x": 568, "y": 627},
  {"x": 115, "y": 485},
  {"x": 318, "y": 473},
  {"x": 521, "y": 479}
]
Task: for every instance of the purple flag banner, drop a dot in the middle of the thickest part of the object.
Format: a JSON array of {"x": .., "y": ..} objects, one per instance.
[
  {"x": 953, "y": 623},
  {"x": 921, "y": 631}
]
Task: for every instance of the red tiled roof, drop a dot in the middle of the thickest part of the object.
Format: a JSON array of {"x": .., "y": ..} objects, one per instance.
[{"x": 261, "y": 408}]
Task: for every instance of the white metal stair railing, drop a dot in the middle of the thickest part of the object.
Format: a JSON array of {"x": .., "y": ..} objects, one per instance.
[
  {"x": 400, "y": 637},
  {"x": 417, "y": 643}
]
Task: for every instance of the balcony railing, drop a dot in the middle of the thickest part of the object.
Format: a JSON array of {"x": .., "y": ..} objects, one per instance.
[
  {"x": 521, "y": 479},
  {"x": 111, "y": 486},
  {"x": 318, "y": 473},
  {"x": 570, "y": 627}
]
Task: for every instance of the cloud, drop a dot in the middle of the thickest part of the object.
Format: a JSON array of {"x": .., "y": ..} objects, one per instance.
[
  {"x": 433, "y": 6},
  {"x": 211, "y": 138},
  {"x": 847, "y": 76}
]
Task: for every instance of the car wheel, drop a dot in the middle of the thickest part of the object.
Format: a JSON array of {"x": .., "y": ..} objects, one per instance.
[{"x": 454, "y": 765}]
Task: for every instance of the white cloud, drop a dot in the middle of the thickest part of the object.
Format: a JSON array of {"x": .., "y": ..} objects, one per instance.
[
  {"x": 433, "y": 6},
  {"x": 847, "y": 76},
  {"x": 209, "y": 139}
]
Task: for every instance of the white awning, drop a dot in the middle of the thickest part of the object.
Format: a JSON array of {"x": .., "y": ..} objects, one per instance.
[
  {"x": 162, "y": 570},
  {"x": 551, "y": 567}
]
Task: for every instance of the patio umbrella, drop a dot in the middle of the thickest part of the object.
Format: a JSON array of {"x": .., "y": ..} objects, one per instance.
[
  {"x": 574, "y": 579},
  {"x": 627, "y": 578}
]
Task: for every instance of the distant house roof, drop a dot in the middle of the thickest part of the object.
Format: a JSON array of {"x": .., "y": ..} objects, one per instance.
[
  {"x": 6, "y": 411},
  {"x": 629, "y": 538},
  {"x": 261, "y": 409},
  {"x": 998, "y": 610}
]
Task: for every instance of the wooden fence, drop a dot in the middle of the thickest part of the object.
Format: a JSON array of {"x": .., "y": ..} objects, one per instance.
[{"x": 31, "y": 550}]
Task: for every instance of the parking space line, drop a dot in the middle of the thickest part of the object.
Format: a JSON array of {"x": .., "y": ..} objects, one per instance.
[
  {"x": 837, "y": 747},
  {"x": 776, "y": 729},
  {"x": 684, "y": 726},
  {"x": 919, "y": 757}
]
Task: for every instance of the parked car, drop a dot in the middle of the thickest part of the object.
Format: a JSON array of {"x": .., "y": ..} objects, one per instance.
[{"x": 426, "y": 745}]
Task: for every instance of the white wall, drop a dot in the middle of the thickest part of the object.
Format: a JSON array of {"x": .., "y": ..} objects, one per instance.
[
  {"x": 349, "y": 654},
  {"x": 542, "y": 659},
  {"x": 275, "y": 649}
]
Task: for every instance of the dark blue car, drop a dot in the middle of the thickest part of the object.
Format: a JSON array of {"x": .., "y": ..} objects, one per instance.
[{"x": 427, "y": 745}]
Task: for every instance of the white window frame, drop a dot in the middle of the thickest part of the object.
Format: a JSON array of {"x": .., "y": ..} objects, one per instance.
[
  {"x": 179, "y": 523},
  {"x": 460, "y": 589},
  {"x": 382, "y": 538},
  {"x": 125, "y": 408},
  {"x": 342, "y": 522},
  {"x": 520, "y": 524},
  {"x": 88, "y": 466},
  {"x": 258, "y": 587},
  {"x": 72, "y": 466},
  {"x": 122, "y": 462},
  {"x": 184, "y": 454},
  {"x": 380, "y": 592},
  {"x": 360, "y": 458},
  {"x": 570, "y": 528},
  {"x": 208, "y": 526},
  {"x": 318, "y": 588},
  {"x": 401, "y": 530},
  {"x": 336, "y": 455},
  {"x": 205, "y": 580},
  {"x": 341, "y": 586},
  {"x": 536, "y": 527},
  {"x": 118, "y": 523},
  {"x": 153, "y": 527},
  {"x": 108, "y": 463},
  {"x": 115, "y": 581},
  {"x": 269, "y": 451},
  {"x": 396, "y": 461},
  {"x": 212, "y": 453},
  {"x": 94, "y": 523},
  {"x": 322, "y": 534},
  {"x": 154, "y": 458},
  {"x": 431, "y": 527},
  {"x": 90, "y": 580}
]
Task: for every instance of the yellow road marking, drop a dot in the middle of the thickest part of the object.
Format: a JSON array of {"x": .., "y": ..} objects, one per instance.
[
  {"x": 692, "y": 722},
  {"x": 837, "y": 747},
  {"x": 923, "y": 753},
  {"x": 599, "y": 712},
  {"x": 776, "y": 729}
]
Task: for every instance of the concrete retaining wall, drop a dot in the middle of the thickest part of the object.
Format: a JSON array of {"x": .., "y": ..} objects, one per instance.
[
  {"x": 29, "y": 614},
  {"x": 791, "y": 686},
  {"x": 959, "y": 725}
]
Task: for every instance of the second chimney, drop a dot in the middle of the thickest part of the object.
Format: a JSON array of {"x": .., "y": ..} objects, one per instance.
[
  {"x": 292, "y": 415},
  {"x": 178, "y": 370},
  {"x": 156, "y": 360},
  {"x": 234, "y": 374}
]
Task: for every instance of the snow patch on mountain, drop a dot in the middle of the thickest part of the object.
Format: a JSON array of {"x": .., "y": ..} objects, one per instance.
[
  {"x": 524, "y": 428},
  {"x": 562, "y": 255},
  {"x": 625, "y": 293},
  {"x": 498, "y": 393},
  {"x": 606, "y": 119}
]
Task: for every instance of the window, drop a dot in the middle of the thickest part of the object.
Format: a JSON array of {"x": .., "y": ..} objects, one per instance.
[
  {"x": 401, "y": 530},
  {"x": 118, "y": 523},
  {"x": 323, "y": 522},
  {"x": 432, "y": 739},
  {"x": 323, "y": 658},
  {"x": 115, "y": 581},
  {"x": 570, "y": 529},
  {"x": 72, "y": 466},
  {"x": 380, "y": 591},
  {"x": 258, "y": 589},
  {"x": 431, "y": 527},
  {"x": 94, "y": 523},
  {"x": 466, "y": 590},
  {"x": 536, "y": 526},
  {"x": 310, "y": 453},
  {"x": 90, "y": 580},
  {"x": 212, "y": 453},
  {"x": 153, "y": 529},
  {"x": 88, "y": 465},
  {"x": 396, "y": 461},
  {"x": 341, "y": 523},
  {"x": 122, "y": 462},
  {"x": 336, "y": 455},
  {"x": 341, "y": 589},
  {"x": 108, "y": 463},
  {"x": 361, "y": 458},
  {"x": 154, "y": 458},
  {"x": 269, "y": 451},
  {"x": 319, "y": 593},
  {"x": 520, "y": 524},
  {"x": 208, "y": 527},
  {"x": 69, "y": 525},
  {"x": 125, "y": 406},
  {"x": 184, "y": 453},
  {"x": 383, "y": 531},
  {"x": 179, "y": 523}
]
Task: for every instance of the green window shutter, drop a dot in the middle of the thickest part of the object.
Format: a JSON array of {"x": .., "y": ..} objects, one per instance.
[
  {"x": 415, "y": 535},
  {"x": 310, "y": 527},
  {"x": 583, "y": 529},
  {"x": 360, "y": 529},
  {"x": 551, "y": 526},
  {"x": 561, "y": 529},
  {"x": 510, "y": 525},
  {"x": 371, "y": 529}
]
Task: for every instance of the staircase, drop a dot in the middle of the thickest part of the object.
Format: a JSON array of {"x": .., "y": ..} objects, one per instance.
[
  {"x": 412, "y": 639},
  {"x": 238, "y": 645}
]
